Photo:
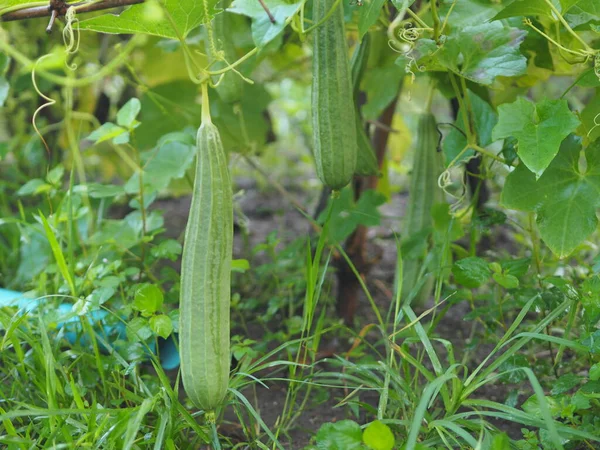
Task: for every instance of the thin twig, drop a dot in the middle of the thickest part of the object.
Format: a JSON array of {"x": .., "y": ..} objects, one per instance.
[
  {"x": 80, "y": 7},
  {"x": 271, "y": 18}
]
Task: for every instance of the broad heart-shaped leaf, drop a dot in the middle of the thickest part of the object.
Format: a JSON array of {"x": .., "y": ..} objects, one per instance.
[
  {"x": 368, "y": 15},
  {"x": 485, "y": 120},
  {"x": 564, "y": 198},
  {"x": 263, "y": 30},
  {"x": 342, "y": 435},
  {"x": 479, "y": 53},
  {"x": 539, "y": 128},
  {"x": 579, "y": 12},
  {"x": 524, "y": 8},
  {"x": 186, "y": 15}
]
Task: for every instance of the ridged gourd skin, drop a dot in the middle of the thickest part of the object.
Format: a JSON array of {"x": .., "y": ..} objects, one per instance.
[
  {"x": 366, "y": 160},
  {"x": 231, "y": 87},
  {"x": 333, "y": 116},
  {"x": 424, "y": 192},
  {"x": 204, "y": 336}
]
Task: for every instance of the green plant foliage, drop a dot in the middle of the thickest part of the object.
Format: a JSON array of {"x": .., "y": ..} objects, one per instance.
[
  {"x": 264, "y": 30},
  {"x": 469, "y": 291},
  {"x": 378, "y": 436},
  {"x": 564, "y": 197},
  {"x": 539, "y": 129},
  {"x": 345, "y": 434},
  {"x": 152, "y": 19},
  {"x": 479, "y": 53}
]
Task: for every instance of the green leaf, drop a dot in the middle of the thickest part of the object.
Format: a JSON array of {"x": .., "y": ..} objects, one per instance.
[
  {"x": 467, "y": 12},
  {"x": 58, "y": 255},
  {"x": 148, "y": 299},
  {"x": 34, "y": 254},
  {"x": 524, "y": 8},
  {"x": 252, "y": 133},
  {"x": 579, "y": 12},
  {"x": 592, "y": 342},
  {"x": 507, "y": 281},
  {"x": 378, "y": 436},
  {"x": 565, "y": 197},
  {"x": 162, "y": 165},
  {"x": 34, "y": 187},
  {"x": 138, "y": 329},
  {"x": 169, "y": 249},
  {"x": 128, "y": 113},
  {"x": 368, "y": 15},
  {"x": 96, "y": 190},
  {"x": 382, "y": 84},
  {"x": 185, "y": 14},
  {"x": 500, "y": 442},
  {"x": 516, "y": 267},
  {"x": 479, "y": 53},
  {"x": 471, "y": 272},
  {"x": 161, "y": 325},
  {"x": 485, "y": 120},
  {"x": 240, "y": 265},
  {"x": 168, "y": 108},
  {"x": 263, "y": 30},
  {"x": 106, "y": 131},
  {"x": 589, "y": 117},
  {"x": 342, "y": 435},
  {"x": 538, "y": 127},
  {"x": 595, "y": 372},
  {"x": 565, "y": 383}
]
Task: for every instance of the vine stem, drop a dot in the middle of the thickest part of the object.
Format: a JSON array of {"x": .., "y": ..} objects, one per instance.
[
  {"x": 119, "y": 60},
  {"x": 436, "y": 20},
  {"x": 205, "y": 105},
  {"x": 561, "y": 47},
  {"x": 18, "y": 13},
  {"x": 567, "y": 27}
]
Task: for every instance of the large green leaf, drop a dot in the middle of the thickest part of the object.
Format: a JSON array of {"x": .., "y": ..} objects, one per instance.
[
  {"x": 479, "y": 53},
  {"x": 524, "y": 8},
  {"x": 579, "y": 12},
  {"x": 538, "y": 127},
  {"x": 467, "y": 12},
  {"x": 369, "y": 14},
  {"x": 148, "y": 19},
  {"x": 263, "y": 30},
  {"x": 565, "y": 197}
]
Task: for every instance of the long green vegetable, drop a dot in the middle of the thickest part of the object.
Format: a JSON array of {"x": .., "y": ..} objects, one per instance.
[
  {"x": 334, "y": 121},
  {"x": 423, "y": 194},
  {"x": 205, "y": 273}
]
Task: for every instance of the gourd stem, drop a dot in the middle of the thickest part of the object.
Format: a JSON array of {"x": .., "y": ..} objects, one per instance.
[{"x": 205, "y": 105}]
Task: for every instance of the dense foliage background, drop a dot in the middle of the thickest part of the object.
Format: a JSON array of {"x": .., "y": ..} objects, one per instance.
[{"x": 447, "y": 298}]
